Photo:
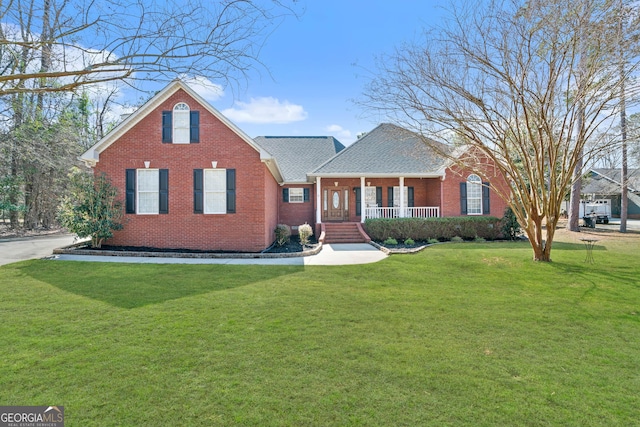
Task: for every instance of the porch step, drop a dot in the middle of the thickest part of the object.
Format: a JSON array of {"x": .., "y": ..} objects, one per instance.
[{"x": 343, "y": 232}]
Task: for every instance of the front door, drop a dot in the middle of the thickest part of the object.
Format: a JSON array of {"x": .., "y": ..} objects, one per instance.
[{"x": 338, "y": 209}]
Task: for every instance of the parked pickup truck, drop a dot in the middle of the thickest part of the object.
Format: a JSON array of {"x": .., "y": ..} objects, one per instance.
[{"x": 595, "y": 213}]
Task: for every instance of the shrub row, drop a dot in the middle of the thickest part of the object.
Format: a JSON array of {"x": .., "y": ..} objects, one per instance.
[{"x": 443, "y": 229}]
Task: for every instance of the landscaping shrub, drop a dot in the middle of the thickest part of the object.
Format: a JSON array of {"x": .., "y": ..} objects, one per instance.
[
  {"x": 390, "y": 241},
  {"x": 304, "y": 232},
  {"x": 92, "y": 208},
  {"x": 457, "y": 239},
  {"x": 510, "y": 224},
  {"x": 468, "y": 228},
  {"x": 283, "y": 232},
  {"x": 409, "y": 241}
]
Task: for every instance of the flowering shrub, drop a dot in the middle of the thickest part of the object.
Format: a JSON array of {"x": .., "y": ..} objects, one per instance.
[
  {"x": 283, "y": 232},
  {"x": 305, "y": 232}
]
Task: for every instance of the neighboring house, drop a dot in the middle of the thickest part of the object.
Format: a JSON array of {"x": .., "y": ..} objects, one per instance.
[
  {"x": 605, "y": 184},
  {"x": 193, "y": 180}
]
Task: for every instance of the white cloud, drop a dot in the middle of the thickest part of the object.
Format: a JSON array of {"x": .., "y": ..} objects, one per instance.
[
  {"x": 338, "y": 131},
  {"x": 204, "y": 87},
  {"x": 266, "y": 110}
]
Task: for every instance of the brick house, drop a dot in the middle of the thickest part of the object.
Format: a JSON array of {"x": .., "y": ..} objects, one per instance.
[{"x": 192, "y": 179}]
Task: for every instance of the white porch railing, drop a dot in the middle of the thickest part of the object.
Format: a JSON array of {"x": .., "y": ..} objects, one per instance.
[{"x": 413, "y": 212}]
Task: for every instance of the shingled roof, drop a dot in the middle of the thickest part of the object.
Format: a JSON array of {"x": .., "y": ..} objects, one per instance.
[
  {"x": 296, "y": 156},
  {"x": 386, "y": 151},
  {"x": 607, "y": 181}
]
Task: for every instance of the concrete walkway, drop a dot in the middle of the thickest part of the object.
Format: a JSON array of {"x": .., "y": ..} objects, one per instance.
[{"x": 331, "y": 254}]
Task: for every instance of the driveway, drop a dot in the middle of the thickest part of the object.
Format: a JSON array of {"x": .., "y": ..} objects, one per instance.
[
  {"x": 614, "y": 224},
  {"x": 14, "y": 250}
]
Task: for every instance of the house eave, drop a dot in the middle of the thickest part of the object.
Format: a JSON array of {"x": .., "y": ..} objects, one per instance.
[{"x": 376, "y": 175}]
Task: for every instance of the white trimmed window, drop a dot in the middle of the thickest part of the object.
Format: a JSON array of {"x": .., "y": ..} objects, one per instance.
[
  {"x": 370, "y": 197},
  {"x": 396, "y": 197},
  {"x": 474, "y": 195},
  {"x": 181, "y": 124},
  {"x": 215, "y": 191},
  {"x": 296, "y": 195},
  {"x": 148, "y": 191}
]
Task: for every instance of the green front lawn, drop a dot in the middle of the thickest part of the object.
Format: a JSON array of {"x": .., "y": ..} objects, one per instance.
[{"x": 460, "y": 334}]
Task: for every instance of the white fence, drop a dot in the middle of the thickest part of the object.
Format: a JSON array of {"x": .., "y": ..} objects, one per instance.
[{"x": 395, "y": 212}]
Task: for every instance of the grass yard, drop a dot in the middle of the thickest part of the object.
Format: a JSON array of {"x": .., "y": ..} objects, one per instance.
[{"x": 469, "y": 334}]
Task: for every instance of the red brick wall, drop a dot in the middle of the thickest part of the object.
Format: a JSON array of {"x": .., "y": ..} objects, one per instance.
[
  {"x": 294, "y": 214},
  {"x": 451, "y": 189},
  {"x": 271, "y": 189},
  {"x": 249, "y": 229}
]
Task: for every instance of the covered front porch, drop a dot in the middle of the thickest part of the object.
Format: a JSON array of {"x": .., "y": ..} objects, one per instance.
[{"x": 349, "y": 199}]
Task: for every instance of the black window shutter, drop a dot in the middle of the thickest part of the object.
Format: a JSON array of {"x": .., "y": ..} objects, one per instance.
[
  {"x": 164, "y": 191},
  {"x": 197, "y": 191},
  {"x": 166, "y": 126},
  {"x": 231, "y": 191},
  {"x": 285, "y": 195},
  {"x": 390, "y": 196},
  {"x": 358, "y": 201},
  {"x": 379, "y": 196},
  {"x": 463, "y": 198},
  {"x": 305, "y": 191},
  {"x": 130, "y": 191},
  {"x": 411, "y": 201},
  {"x": 486, "y": 209},
  {"x": 194, "y": 124}
]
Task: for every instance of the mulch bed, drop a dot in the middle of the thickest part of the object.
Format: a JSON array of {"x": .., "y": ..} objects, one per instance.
[{"x": 292, "y": 246}]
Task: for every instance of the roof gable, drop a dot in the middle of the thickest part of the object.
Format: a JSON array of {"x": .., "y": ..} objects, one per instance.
[
  {"x": 296, "y": 156},
  {"x": 92, "y": 155},
  {"x": 606, "y": 181},
  {"x": 387, "y": 150}
]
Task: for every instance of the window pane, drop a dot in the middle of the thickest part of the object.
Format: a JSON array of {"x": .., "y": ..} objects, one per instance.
[
  {"x": 296, "y": 195},
  {"x": 396, "y": 196},
  {"x": 148, "y": 203},
  {"x": 474, "y": 195},
  {"x": 215, "y": 191},
  {"x": 215, "y": 203},
  {"x": 181, "y": 128},
  {"x": 148, "y": 180},
  {"x": 370, "y": 196}
]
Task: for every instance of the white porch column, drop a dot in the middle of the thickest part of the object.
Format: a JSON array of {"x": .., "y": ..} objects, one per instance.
[
  {"x": 402, "y": 210},
  {"x": 362, "y": 199},
  {"x": 318, "y": 201}
]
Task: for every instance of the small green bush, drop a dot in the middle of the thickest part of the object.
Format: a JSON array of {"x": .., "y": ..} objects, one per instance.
[
  {"x": 390, "y": 241},
  {"x": 457, "y": 239},
  {"x": 305, "y": 232},
  {"x": 510, "y": 224},
  {"x": 409, "y": 242},
  {"x": 283, "y": 232},
  {"x": 433, "y": 241},
  {"x": 479, "y": 239}
]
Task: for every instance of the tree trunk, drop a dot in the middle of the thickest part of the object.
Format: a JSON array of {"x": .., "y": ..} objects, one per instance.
[
  {"x": 573, "y": 224},
  {"x": 623, "y": 134}
]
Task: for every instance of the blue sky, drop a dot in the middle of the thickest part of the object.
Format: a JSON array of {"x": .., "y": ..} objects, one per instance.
[{"x": 319, "y": 63}]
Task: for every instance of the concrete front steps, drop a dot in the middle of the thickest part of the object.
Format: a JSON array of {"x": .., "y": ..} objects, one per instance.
[{"x": 344, "y": 232}]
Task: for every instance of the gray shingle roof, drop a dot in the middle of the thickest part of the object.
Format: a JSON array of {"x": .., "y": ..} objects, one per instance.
[
  {"x": 607, "y": 181},
  {"x": 298, "y": 155},
  {"x": 386, "y": 150}
]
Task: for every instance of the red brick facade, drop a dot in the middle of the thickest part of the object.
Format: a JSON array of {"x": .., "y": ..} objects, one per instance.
[
  {"x": 259, "y": 199},
  {"x": 249, "y": 229}
]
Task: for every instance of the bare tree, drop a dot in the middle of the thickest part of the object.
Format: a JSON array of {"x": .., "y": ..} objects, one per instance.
[
  {"x": 505, "y": 78},
  {"x": 53, "y": 53},
  {"x": 81, "y": 42}
]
